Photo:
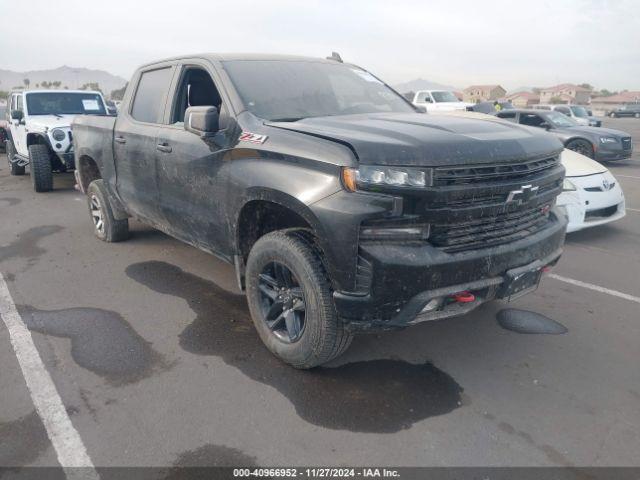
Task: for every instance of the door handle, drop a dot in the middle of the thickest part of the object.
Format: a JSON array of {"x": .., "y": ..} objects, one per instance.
[
  {"x": 119, "y": 140},
  {"x": 164, "y": 147}
]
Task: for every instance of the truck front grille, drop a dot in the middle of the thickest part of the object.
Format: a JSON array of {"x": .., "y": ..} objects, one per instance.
[
  {"x": 485, "y": 173},
  {"x": 489, "y": 231},
  {"x": 626, "y": 143}
]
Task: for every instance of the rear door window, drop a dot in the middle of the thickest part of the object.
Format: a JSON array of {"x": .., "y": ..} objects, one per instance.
[{"x": 149, "y": 102}]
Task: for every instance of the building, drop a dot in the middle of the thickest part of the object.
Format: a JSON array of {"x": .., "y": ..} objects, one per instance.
[
  {"x": 483, "y": 93},
  {"x": 523, "y": 99},
  {"x": 565, "y": 93},
  {"x": 601, "y": 105}
]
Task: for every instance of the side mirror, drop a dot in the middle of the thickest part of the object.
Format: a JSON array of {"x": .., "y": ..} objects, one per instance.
[
  {"x": 203, "y": 121},
  {"x": 420, "y": 108},
  {"x": 17, "y": 115}
]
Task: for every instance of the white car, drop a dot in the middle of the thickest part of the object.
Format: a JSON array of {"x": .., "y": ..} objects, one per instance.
[
  {"x": 439, "y": 101},
  {"x": 40, "y": 131},
  {"x": 591, "y": 195}
]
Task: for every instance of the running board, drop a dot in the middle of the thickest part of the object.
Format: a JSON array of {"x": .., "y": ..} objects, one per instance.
[{"x": 19, "y": 160}]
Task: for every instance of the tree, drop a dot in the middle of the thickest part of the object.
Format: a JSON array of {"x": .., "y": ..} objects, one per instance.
[
  {"x": 555, "y": 100},
  {"x": 57, "y": 84},
  {"x": 119, "y": 93},
  {"x": 586, "y": 85},
  {"x": 26, "y": 82},
  {"x": 45, "y": 84},
  {"x": 91, "y": 86}
]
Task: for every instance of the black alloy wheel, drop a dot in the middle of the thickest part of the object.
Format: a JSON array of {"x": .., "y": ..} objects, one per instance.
[{"x": 282, "y": 302}]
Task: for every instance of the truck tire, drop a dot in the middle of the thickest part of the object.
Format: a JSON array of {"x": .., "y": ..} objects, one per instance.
[
  {"x": 105, "y": 226},
  {"x": 291, "y": 301},
  {"x": 15, "y": 168},
  {"x": 41, "y": 172}
]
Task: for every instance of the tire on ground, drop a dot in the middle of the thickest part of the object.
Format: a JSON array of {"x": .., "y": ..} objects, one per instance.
[
  {"x": 110, "y": 229},
  {"x": 15, "y": 168},
  {"x": 581, "y": 146},
  {"x": 324, "y": 336},
  {"x": 41, "y": 172}
]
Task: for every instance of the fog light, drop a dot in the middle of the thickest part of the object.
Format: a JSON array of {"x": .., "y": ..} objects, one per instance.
[{"x": 431, "y": 305}]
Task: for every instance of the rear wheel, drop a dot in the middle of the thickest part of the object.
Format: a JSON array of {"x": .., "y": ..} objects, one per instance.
[
  {"x": 15, "y": 168},
  {"x": 581, "y": 146},
  {"x": 105, "y": 226},
  {"x": 41, "y": 172},
  {"x": 291, "y": 302}
]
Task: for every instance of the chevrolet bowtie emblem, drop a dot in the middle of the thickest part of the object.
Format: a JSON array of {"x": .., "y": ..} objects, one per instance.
[{"x": 524, "y": 194}]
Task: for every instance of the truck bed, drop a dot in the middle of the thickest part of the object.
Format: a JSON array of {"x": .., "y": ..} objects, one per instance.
[{"x": 93, "y": 139}]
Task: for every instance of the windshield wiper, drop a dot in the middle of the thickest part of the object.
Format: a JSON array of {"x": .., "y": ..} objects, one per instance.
[{"x": 287, "y": 119}]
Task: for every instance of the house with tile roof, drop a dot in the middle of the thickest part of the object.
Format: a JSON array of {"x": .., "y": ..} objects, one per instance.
[
  {"x": 567, "y": 93},
  {"x": 483, "y": 93}
]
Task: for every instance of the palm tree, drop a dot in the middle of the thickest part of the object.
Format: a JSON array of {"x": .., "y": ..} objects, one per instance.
[{"x": 26, "y": 82}]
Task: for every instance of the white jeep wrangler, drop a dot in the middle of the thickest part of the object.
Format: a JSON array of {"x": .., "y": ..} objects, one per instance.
[{"x": 40, "y": 131}]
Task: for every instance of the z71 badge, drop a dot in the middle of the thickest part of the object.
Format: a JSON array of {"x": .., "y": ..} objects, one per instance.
[{"x": 252, "y": 137}]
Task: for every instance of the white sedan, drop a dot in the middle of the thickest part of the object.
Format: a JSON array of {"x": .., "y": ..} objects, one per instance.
[{"x": 591, "y": 195}]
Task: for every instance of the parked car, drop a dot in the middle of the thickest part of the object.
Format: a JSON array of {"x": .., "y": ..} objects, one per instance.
[
  {"x": 601, "y": 144},
  {"x": 4, "y": 126},
  {"x": 40, "y": 131},
  {"x": 590, "y": 195},
  {"x": 490, "y": 107},
  {"x": 438, "y": 100},
  {"x": 629, "y": 110},
  {"x": 343, "y": 210},
  {"x": 580, "y": 114}
]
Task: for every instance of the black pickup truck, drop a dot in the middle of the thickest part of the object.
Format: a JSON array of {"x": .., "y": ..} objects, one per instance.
[{"x": 343, "y": 208}]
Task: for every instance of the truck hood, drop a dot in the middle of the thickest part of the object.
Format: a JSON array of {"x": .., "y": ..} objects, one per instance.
[
  {"x": 426, "y": 140},
  {"x": 578, "y": 165},
  {"x": 50, "y": 121}
]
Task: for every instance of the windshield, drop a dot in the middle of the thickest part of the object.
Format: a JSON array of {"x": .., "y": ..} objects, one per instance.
[
  {"x": 579, "y": 111},
  {"x": 292, "y": 90},
  {"x": 558, "y": 119},
  {"x": 444, "y": 97},
  {"x": 64, "y": 103}
]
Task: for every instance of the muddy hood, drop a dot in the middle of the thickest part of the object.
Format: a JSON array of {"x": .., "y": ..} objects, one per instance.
[{"x": 428, "y": 140}]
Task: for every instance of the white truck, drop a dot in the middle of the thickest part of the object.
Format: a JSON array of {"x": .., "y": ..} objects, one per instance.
[
  {"x": 439, "y": 101},
  {"x": 40, "y": 131}
]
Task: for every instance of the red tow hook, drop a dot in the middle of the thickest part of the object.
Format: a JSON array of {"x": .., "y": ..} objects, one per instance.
[
  {"x": 463, "y": 297},
  {"x": 546, "y": 269}
]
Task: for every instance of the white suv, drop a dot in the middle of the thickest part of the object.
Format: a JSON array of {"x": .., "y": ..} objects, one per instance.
[{"x": 40, "y": 131}]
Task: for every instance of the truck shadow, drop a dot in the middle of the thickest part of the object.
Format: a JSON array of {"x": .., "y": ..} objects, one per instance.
[{"x": 381, "y": 396}]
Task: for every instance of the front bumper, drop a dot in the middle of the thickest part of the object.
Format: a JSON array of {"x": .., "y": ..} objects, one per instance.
[
  {"x": 591, "y": 208},
  {"x": 603, "y": 154},
  {"x": 406, "y": 277}
]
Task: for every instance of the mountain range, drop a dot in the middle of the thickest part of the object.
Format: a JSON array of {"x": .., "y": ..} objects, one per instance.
[
  {"x": 68, "y": 76},
  {"x": 421, "y": 84}
]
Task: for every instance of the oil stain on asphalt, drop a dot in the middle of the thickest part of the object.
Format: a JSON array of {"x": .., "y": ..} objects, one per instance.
[
  {"x": 369, "y": 396},
  {"x": 26, "y": 245},
  {"x": 189, "y": 464},
  {"x": 524, "y": 321},
  {"x": 101, "y": 341},
  {"x": 22, "y": 441}
]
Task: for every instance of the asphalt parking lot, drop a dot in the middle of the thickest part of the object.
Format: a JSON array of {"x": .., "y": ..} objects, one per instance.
[{"x": 152, "y": 351}]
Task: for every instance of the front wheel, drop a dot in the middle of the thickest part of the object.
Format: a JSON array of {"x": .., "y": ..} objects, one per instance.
[
  {"x": 582, "y": 147},
  {"x": 637, "y": 115},
  {"x": 15, "y": 168},
  {"x": 291, "y": 302},
  {"x": 41, "y": 172},
  {"x": 612, "y": 115},
  {"x": 105, "y": 226}
]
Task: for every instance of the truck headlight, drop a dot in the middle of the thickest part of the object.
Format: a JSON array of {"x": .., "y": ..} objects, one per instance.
[
  {"x": 58, "y": 135},
  {"x": 608, "y": 140},
  {"x": 369, "y": 177},
  {"x": 568, "y": 186}
]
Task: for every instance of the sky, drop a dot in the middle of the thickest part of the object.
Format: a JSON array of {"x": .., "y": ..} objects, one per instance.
[{"x": 513, "y": 43}]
